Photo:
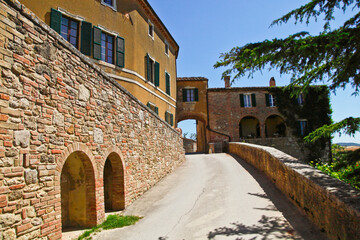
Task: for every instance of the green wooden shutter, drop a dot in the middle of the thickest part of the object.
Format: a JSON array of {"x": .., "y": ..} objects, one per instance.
[
  {"x": 196, "y": 93},
  {"x": 55, "y": 20},
  {"x": 171, "y": 119},
  {"x": 120, "y": 52},
  {"x": 242, "y": 100},
  {"x": 253, "y": 100},
  {"x": 86, "y": 38},
  {"x": 147, "y": 59},
  {"x": 184, "y": 94},
  {"x": 148, "y": 105},
  {"x": 97, "y": 43},
  {"x": 166, "y": 117},
  {"x": 167, "y": 79},
  {"x": 156, "y": 110},
  {"x": 267, "y": 100},
  {"x": 157, "y": 74}
]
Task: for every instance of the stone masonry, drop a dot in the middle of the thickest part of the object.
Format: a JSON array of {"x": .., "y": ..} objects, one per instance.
[{"x": 54, "y": 102}]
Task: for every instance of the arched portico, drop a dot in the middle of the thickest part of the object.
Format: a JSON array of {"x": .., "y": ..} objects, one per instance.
[
  {"x": 275, "y": 126},
  {"x": 249, "y": 127}
]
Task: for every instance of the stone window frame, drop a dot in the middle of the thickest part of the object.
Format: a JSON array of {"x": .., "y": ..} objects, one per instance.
[
  {"x": 271, "y": 100},
  {"x": 112, "y": 6},
  {"x": 167, "y": 48},
  {"x": 247, "y": 100},
  {"x": 115, "y": 36}
]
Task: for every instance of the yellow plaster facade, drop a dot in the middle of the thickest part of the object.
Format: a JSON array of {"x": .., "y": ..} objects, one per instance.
[{"x": 128, "y": 19}]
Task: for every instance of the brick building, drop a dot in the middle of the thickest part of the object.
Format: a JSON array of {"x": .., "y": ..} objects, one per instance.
[{"x": 246, "y": 114}]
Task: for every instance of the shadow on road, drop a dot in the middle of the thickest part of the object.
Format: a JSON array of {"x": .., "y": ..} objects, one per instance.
[{"x": 267, "y": 226}]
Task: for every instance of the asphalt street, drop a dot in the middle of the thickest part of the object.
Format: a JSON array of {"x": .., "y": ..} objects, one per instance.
[{"x": 214, "y": 196}]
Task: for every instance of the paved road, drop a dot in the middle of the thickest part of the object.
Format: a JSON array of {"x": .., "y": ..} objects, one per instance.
[{"x": 214, "y": 197}]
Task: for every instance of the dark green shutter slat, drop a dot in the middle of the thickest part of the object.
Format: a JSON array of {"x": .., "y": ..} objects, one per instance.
[
  {"x": 55, "y": 20},
  {"x": 148, "y": 105},
  {"x": 167, "y": 77},
  {"x": 120, "y": 51},
  {"x": 157, "y": 74},
  {"x": 196, "y": 93},
  {"x": 253, "y": 100},
  {"x": 267, "y": 99},
  {"x": 147, "y": 67},
  {"x": 242, "y": 100},
  {"x": 184, "y": 94},
  {"x": 97, "y": 43},
  {"x": 156, "y": 110},
  {"x": 86, "y": 38},
  {"x": 171, "y": 119},
  {"x": 166, "y": 117}
]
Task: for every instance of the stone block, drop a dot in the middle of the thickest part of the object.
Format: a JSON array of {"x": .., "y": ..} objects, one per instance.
[
  {"x": 9, "y": 234},
  {"x": 58, "y": 119},
  {"x": 31, "y": 176},
  {"x": 22, "y": 138},
  {"x": 98, "y": 135},
  {"x": 84, "y": 93}
]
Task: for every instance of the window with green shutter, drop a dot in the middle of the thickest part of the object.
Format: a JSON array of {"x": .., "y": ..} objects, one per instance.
[
  {"x": 242, "y": 104},
  {"x": 156, "y": 110},
  {"x": 167, "y": 117},
  {"x": 157, "y": 74},
  {"x": 120, "y": 51},
  {"x": 171, "y": 119},
  {"x": 55, "y": 20},
  {"x": 97, "y": 43},
  {"x": 86, "y": 38},
  {"x": 167, "y": 82},
  {"x": 151, "y": 73}
]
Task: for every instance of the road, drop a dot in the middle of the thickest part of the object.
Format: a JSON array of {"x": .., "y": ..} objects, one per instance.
[{"x": 214, "y": 197}]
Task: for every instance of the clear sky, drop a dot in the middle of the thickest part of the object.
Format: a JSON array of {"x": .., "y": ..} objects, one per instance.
[{"x": 205, "y": 28}]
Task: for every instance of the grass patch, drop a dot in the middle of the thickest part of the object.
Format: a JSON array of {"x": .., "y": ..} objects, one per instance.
[{"x": 111, "y": 222}]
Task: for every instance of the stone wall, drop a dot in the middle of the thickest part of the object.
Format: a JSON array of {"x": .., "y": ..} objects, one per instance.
[
  {"x": 332, "y": 205},
  {"x": 55, "y": 105}
]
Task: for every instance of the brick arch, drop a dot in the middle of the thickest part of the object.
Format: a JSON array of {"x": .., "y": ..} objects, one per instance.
[
  {"x": 116, "y": 196},
  {"x": 195, "y": 116},
  {"x": 283, "y": 132},
  {"x": 75, "y": 147},
  {"x": 70, "y": 157},
  {"x": 258, "y": 128}
]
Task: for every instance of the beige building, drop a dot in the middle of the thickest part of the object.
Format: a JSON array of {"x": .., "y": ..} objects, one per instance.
[{"x": 126, "y": 39}]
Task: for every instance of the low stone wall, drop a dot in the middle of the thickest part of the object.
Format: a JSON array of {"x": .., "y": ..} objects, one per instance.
[
  {"x": 56, "y": 105},
  {"x": 332, "y": 205}
]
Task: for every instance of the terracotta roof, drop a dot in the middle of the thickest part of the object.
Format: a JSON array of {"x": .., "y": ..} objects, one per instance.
[{"x": 191, "y": 79}]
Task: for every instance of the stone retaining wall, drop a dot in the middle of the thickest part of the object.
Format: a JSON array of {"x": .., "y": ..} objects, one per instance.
[
  {"x": 332, "y": 205},
  {"x": 56, "y": 104}
]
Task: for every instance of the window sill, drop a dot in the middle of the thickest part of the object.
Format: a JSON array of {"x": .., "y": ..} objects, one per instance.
[{"x": 105, "y": 64}]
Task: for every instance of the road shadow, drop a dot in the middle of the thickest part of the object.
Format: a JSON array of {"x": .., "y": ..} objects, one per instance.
[
  {"x": 266, "y": 228},
  {"x": 297, "y": 219}
]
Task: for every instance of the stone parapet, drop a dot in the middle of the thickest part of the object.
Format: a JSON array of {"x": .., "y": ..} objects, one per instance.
[{"x": 331, "y": 204}]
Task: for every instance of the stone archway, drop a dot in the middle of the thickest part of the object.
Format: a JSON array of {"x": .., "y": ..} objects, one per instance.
[
  {"x": 114, "y": 184},
  {"x": 249, "y": 127},
  {"x": 78, "y": 198},
  {"x": 201, "y": 138},
  {"x": 275, "y": 126}
]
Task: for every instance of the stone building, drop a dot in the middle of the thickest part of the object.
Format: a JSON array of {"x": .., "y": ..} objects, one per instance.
[
  {"x": 247, "y": 114},
  {"x": 73, "y": 141},
  {"x": 126, "y": 39}
]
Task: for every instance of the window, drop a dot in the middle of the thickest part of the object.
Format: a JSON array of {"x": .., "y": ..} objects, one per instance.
[
  {"x": 166, "y": 48},
  {"x": 107, "y": 48},
  {"x": 153, "y": 107},
  {"x": 247, "y": 100},
  {"x": 167, "y": 83},
  {"x": 302, "y": 127},
  {"x": 169, "y": 118},
  {"x": 190, "y": 95},
  {"x": 151, "y": 30},
  {"x": 270, "y": 101},
  {"x": 70, "y": 30},
  {"x": 300, "y": 99},
  {"x": 152, "y": 70},
  {"x": 109, "y": 3},
  {"x": 105, "y": 45}
]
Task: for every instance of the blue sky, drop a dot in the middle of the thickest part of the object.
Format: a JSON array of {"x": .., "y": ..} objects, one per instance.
[{"x": 205, "y": 28}]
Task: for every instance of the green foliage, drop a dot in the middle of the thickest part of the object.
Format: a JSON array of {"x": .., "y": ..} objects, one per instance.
[
  {"x": 331, "y": 56},
  {"x": 316, "y": 109},
  {"x": 111, "y": 222},
  {"x": 345, "y": 166}
]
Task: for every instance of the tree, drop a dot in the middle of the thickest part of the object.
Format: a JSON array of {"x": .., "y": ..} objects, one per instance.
[{"x": 333, "y": 56}]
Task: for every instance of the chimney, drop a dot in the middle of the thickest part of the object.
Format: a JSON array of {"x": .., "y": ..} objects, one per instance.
[
  {"x": 227, "y": 81},
  {"x": 272, "y": 82}
]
